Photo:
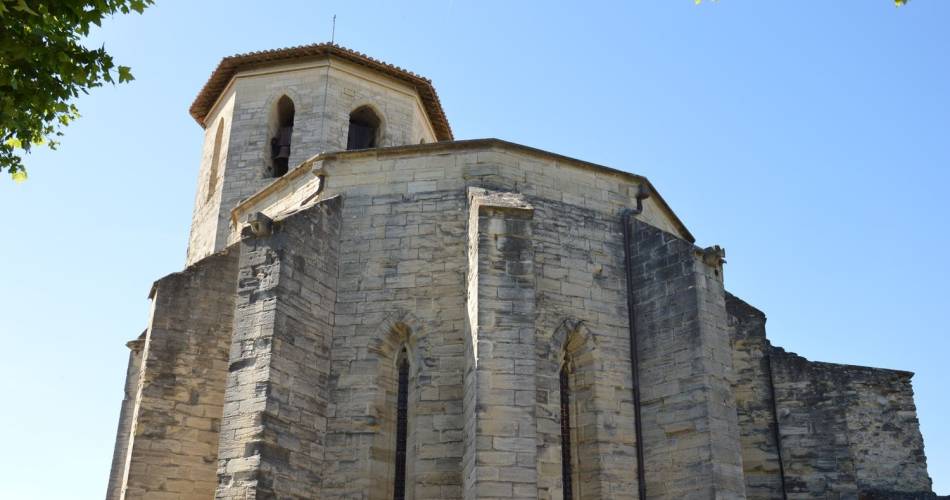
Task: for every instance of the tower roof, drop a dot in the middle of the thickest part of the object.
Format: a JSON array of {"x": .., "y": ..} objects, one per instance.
[{"x": 230, "y": 65}]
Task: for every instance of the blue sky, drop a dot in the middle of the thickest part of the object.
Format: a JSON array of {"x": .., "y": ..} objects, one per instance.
[{"x": 810, "y": 139}]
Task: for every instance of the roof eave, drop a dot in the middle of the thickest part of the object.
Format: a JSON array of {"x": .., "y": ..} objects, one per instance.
[{"x": 229, "y": 66}]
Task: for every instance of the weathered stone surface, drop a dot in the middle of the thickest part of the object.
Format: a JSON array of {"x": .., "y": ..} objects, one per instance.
[
  {"x": 690, "y": 429},
  {"x": 847, "y": 430},
  {"x": 401, "y": 284},
  {"x": 487, "y": 267},
  {"x": 180, "y": 383},
  {"x": 275, "y": 409},
  {"x": 822, "y": 430},
  {"x": 500, "y": 421},
  {"x": 582, "y": 321},
  {"x": 755, "y": 403},
  {"x": 324, "y": 93},
  {"x": 126, "y": 416}
]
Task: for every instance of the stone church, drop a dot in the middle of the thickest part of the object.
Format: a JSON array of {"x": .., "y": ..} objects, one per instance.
[{"x": 371, "y": 309}]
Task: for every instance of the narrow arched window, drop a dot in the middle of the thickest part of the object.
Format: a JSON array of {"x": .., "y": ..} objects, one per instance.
[
  {"x": 566, "y": 442},
  {"x": 364, "y": 129},
  {"x": 282, "y": 132},
  {"x": 215, "y": 158},
  {"x": 402, "y": 426}
]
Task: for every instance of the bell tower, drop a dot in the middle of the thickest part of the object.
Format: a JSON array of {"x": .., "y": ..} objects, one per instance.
[{"x": 265, "y": 112}]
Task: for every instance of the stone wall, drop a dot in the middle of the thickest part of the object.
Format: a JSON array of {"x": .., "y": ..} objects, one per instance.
[
  {"x": 491, "y": 264},
  {"x": 401, "y": 282},
  {"x": 758, "y": 430},
  {"x": 126, "y": 416},
  {"x": 177, "y": 412},
  {"x": 452, "y": 167},
  {"x": 276, "y": 401},
  {"x": 501, "y": 450},
  {"x": 212, "y": 209},
  {"x": 690, "y": 430},
  {"x": 321, "y": 123},
  {"x": 847, "y": 430},
  {"x": 582, "y": 318},
  {"x": 822, "y": 430}
]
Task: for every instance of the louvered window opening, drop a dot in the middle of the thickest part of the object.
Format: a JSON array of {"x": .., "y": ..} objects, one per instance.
[
  {"x": 566, "y": 471},
  {"x": 402, "y": 427}
]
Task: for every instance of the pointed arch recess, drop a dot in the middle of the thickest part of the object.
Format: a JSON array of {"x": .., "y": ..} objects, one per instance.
[
  {"x": 394, "y": 342},
  {"x": 215, "y": 160},
  {"x": 572, "y": 352}
]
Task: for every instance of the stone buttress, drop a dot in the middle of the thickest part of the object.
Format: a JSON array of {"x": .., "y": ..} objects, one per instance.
[
  {"x": 274, "y": 422},
  {"x": 488, "y": 319},
  {"x": 172, "y": 433}
]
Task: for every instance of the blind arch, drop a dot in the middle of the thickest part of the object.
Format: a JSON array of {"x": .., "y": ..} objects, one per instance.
[{"x": 215, "y": 159}]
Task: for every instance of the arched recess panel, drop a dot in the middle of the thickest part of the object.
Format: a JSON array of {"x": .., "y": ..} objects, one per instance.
[
  {"x": 215, "y": 160},
  {"x": 567, "y": 413}
]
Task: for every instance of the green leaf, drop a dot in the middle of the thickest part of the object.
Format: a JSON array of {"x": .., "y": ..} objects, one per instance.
[
  {"x": 44, "y": 66},
  {"x": 125, "y": 74}
]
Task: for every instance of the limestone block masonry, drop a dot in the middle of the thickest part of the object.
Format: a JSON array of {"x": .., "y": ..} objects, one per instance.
[{"x": 432, "y": 318}]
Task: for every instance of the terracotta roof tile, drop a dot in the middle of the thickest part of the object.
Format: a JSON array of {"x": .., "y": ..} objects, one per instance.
[{"x": 230, "y": 65}]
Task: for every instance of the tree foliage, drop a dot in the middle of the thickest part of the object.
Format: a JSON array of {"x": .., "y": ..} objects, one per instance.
[{"x": 44, "y": 66}]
